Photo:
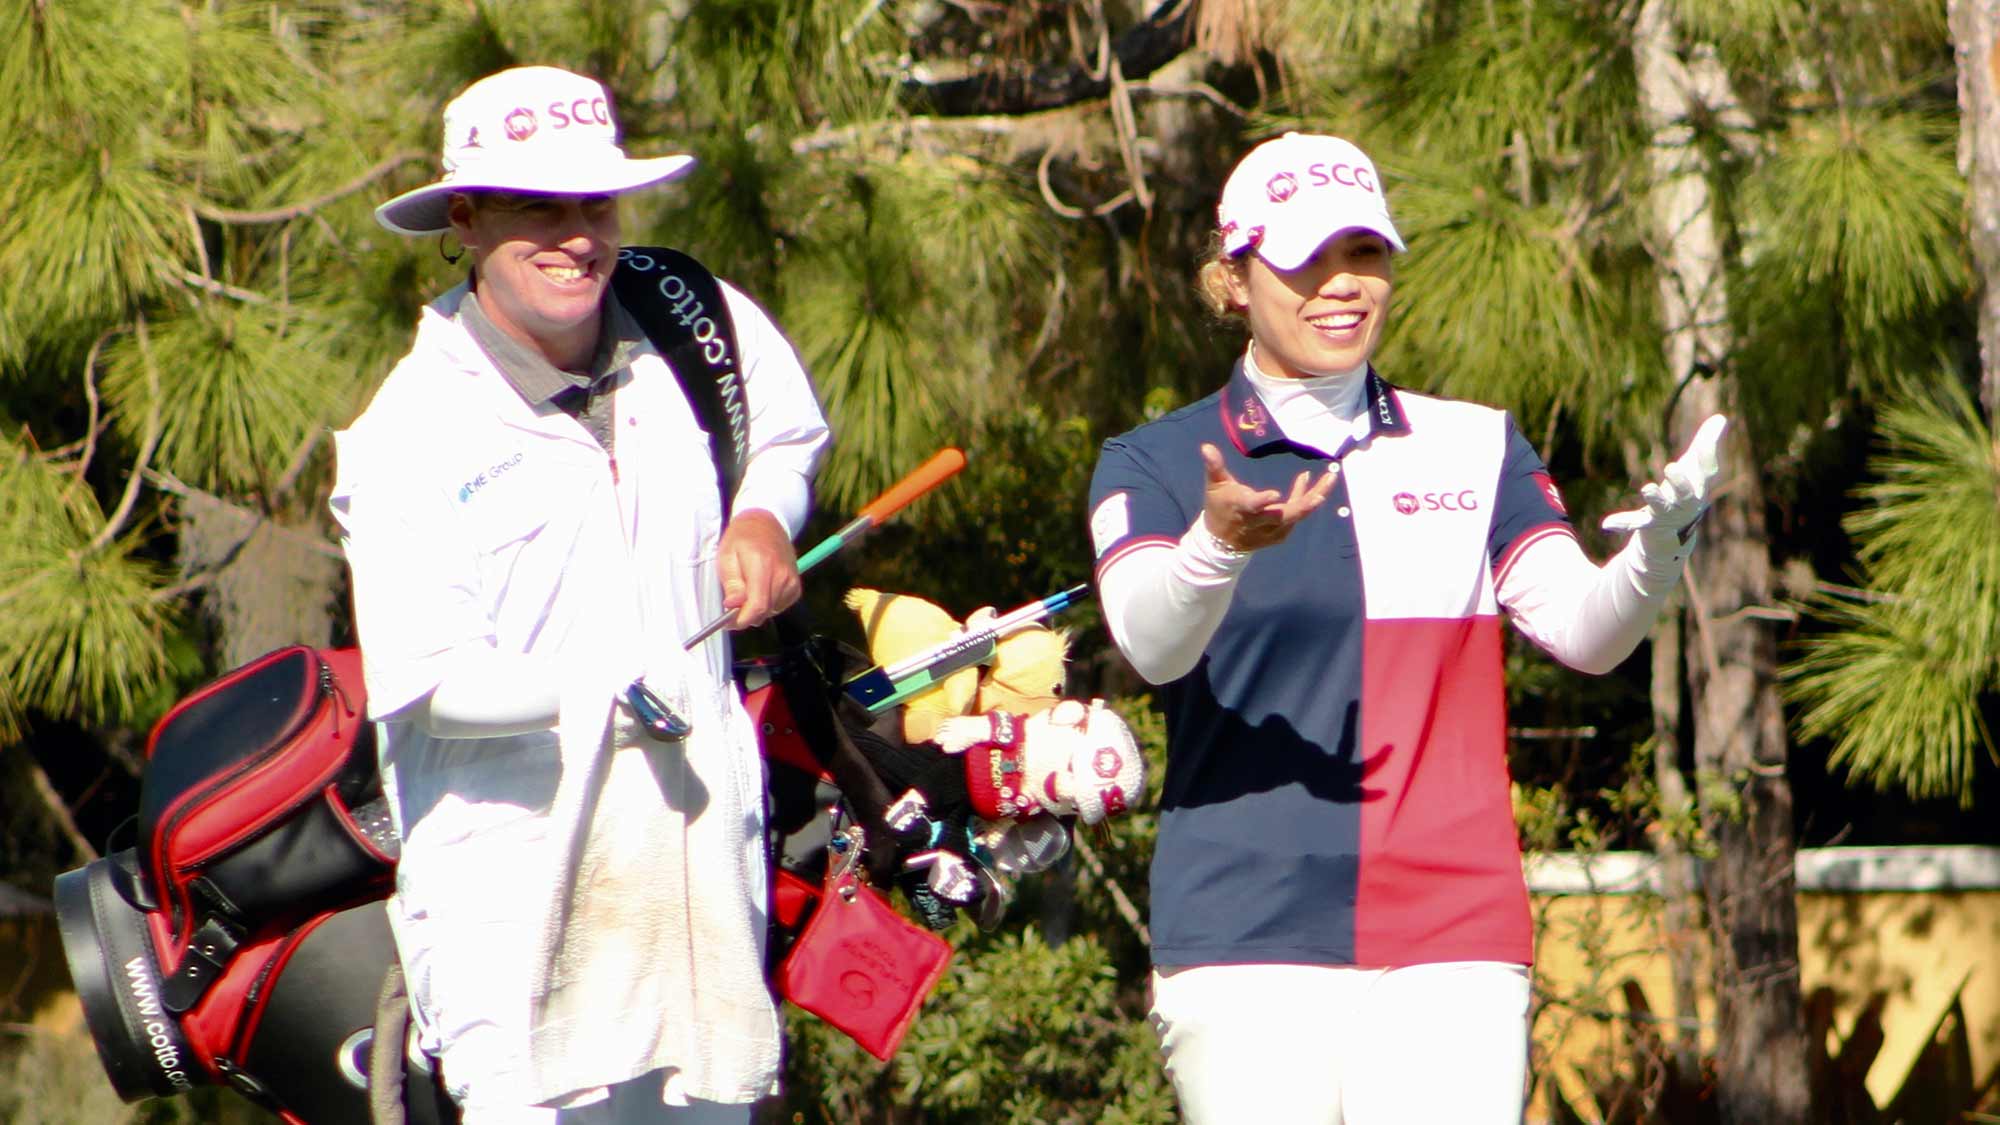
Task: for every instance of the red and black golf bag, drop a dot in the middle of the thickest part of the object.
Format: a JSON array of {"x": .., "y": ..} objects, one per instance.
[{"x": 244, "y": 941}]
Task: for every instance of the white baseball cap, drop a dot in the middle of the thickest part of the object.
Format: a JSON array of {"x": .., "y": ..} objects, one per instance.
[
  {"x": 1289, "y": 195},
  {"x": 532, "y": 129}
]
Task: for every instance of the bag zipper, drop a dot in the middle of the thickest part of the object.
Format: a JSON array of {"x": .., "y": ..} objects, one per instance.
[{"x": 190, "y": 800}]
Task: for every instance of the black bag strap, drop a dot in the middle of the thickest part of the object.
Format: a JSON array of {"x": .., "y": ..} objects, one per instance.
[{"x": 680, "y": 305}]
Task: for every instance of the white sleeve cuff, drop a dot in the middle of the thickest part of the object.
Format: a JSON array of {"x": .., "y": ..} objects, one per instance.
[
  {"x": 1589, "y": 617},
  {"x": 1162, "y": 605}
]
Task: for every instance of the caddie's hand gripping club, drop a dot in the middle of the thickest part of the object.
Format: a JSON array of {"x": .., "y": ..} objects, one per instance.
[
  {"x": 659, "y": 718},
  {"x": 920, "y": 480}
]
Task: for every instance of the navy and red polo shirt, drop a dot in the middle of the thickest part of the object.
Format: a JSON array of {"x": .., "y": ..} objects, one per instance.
[{"x": 1336, "y": 789}]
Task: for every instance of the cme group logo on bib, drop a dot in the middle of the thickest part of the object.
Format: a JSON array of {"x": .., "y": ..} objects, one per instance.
[{"x": 480, "y": 480}]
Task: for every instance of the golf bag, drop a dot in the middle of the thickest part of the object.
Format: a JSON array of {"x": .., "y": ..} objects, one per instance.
[{"x": 243, "y": 941}]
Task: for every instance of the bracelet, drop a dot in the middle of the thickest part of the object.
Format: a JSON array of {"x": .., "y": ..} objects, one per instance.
[{"x": 1215, "y": 545}]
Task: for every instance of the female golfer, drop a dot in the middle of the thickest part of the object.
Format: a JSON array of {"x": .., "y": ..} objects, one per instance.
[{"x": 1312, "y": 563}]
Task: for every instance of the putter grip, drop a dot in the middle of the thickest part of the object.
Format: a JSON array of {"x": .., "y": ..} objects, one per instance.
[{"x": 920, "y": 480}]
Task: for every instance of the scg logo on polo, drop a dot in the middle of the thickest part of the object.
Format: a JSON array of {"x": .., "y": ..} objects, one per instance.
[
  {"x": 1346, "y": 175},
  {"x": 1464, "y": 500}
]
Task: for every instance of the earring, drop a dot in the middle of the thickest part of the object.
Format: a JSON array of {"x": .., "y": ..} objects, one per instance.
[{"x": 453, "y": 257}]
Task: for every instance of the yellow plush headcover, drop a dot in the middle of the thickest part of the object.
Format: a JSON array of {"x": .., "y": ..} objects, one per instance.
[
  {"x": 899, "y": 626},
  {"x": 1025, "y": 676}
]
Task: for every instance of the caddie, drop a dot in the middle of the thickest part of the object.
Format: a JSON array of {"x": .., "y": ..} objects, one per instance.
[{"x": 533, "y": 521}]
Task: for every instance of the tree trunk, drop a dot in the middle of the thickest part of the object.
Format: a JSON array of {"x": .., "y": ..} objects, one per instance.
[
  {"x": 1739, "y": 728},
  {"x": 272, "y": 584},
  {"x": 1740, "y": 748},
  {"x": 1677, "y": 867},
  {"x": 1974, "y": 24}
]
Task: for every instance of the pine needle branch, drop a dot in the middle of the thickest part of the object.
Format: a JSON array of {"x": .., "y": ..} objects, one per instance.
[
  {"x": 222, "y": 289},
  {"x": 1119, "y": 899},
  {"x": 168, "y": 482},
  {"x": 93, "y": 424},
  {"x": 1138, "y": 51},
  {"x": 116, "y": 521},
  {"x": 234, "y": 217},
  {"x": 58, "y": 811}
]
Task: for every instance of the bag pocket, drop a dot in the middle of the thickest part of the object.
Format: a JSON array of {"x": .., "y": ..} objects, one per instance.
[{"x": 862, "y": 967}]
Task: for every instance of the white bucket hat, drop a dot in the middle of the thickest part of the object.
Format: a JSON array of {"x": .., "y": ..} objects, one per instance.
[
  {"x": 532, "y": 129},
  {"x": 1293, "y": 193}
]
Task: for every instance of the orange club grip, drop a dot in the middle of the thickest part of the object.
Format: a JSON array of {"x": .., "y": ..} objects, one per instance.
[{"x": 920, "y": 480}]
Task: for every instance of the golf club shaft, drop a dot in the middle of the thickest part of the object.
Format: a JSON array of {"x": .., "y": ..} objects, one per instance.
[{"x": 915, "y": 483}]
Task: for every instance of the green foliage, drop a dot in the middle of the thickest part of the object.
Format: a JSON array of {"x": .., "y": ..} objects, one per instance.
[
  {"x": 79, "y": 623},
  {"x": 76, "y": 68},
  {"x": 237, "y": 388},
  {"x": 116, "y": 217},
  {"x": 1033, "y": 1033},
  {"x": 1020, "y": 1030},
  {"x": 1898, "y": 684},
  {"x": 1016, "y": 1032},
  {"x": 1520, "y": 82},
  {"x": 1506, "y": 135},
  {"x": 1007, "y": 530},
  {"x": 1485, "y": 261},
  {"x": 1332, "y": 36},
  {"x": 1856, "y": 232},
  {"x": 894, "y": 319},
  {"x": 1834, "y": 49}
]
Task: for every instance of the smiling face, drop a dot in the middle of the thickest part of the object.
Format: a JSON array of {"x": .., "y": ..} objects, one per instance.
[
  {"x": 543, "y": 264},
  {"x": 1324, "y": 317}
]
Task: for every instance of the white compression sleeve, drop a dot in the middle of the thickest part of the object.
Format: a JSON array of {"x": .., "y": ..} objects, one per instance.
[
  {"x": 488, "y": 694},
  {"x": 1162, "y": 605},
  {"x": 1587, "y": 616}
]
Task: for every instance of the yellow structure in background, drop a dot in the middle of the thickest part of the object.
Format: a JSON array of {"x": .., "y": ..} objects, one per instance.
[{"x": 1906, "y": 928}]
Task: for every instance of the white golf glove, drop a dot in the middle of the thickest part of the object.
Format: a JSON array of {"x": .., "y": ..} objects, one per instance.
[{"x": 1665, "y": 525}]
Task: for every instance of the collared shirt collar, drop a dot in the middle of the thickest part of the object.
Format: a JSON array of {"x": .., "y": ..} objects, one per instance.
[
  {"x": 1253, "y": 431},
  {"x": 533, "y": 376}
]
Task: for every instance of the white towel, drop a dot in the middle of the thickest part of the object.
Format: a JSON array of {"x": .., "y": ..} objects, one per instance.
[{"x": 652, "y": 953}]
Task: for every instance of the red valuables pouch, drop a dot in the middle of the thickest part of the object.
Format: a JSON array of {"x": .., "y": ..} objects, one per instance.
[{"x": 862, "y": 967}]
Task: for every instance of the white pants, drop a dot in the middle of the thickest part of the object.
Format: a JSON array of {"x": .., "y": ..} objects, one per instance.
[
  {"x": 633, "y": 1102},
  {"x": 1328, "y": 1045}
]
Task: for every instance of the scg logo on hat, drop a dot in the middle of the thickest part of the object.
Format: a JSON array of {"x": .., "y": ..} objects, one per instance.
[
  {"x": 1346, "y": 175},
  {"x": 1289, "y": 195},
  {"x": 582, "y": 111},
  {"x": 567, "y": 147}
]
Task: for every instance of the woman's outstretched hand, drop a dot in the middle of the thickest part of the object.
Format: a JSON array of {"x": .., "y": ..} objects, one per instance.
[
  {"x": 1248, "y": 519},
  {"x": 1670, "y": 508}
]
